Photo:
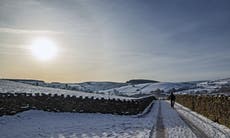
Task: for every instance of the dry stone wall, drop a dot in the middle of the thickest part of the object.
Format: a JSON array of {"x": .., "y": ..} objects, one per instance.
[
  {"x": 13, "y": 103},
  {"x": 216, "y": 108}
]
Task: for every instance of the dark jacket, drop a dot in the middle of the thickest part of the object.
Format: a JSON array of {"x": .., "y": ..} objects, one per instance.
[{"x": 172, "y": 97}]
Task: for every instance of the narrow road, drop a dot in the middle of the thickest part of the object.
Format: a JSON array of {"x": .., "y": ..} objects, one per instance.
[{"x": 175, "y": 123}]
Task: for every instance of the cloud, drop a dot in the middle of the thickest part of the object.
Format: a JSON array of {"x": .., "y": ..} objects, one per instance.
[{"x": 26, "y": 31}]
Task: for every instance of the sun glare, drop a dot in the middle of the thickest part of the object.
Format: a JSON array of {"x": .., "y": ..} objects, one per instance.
[{"x": 44, "y": 49}]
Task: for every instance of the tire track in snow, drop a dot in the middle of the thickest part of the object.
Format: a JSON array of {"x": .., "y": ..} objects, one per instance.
[
  {"x": 160, "y": 130},
  {"x": 153, "y": 130}
]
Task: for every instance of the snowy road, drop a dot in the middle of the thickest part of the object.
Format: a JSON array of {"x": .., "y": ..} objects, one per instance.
[{"x": 183, "y": 123}]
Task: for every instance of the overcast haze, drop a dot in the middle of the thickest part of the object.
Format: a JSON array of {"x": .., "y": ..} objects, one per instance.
[{"x": 117, "y": 40}]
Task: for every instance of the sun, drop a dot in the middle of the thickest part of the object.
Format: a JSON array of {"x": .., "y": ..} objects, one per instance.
[{"x": 44, "y": 49}]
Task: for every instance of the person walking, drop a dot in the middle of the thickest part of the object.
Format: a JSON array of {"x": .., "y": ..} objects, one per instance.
[{"x": 172, "y": 99}]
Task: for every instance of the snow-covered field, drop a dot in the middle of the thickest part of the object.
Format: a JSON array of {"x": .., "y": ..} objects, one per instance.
[
  {"x": 90, "y": 86},
  {"x": 16, "y": 87},
  {"x": 34, "y": 124}
]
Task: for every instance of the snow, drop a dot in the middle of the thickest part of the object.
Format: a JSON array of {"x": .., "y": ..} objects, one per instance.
[
  {"x": 209, "y": 86},
  {"x": 95, "y": 86},
  {"x": 35, "y": 123},
  {"x": 90, "y": 86},
  {"x": 16, "y": 87}
]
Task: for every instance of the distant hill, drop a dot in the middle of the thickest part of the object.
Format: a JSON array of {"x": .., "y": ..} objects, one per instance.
[
  {"x": 84, "y": 86},
  {"x": 27, "y": 81},
  {"x": 24, "y": 80},
  {"x": 95, "y": 86},
  {"x": 141, "y": 81}
]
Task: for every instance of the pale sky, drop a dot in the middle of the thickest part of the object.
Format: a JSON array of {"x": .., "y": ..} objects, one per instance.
[{"x": 116, "y": 40}]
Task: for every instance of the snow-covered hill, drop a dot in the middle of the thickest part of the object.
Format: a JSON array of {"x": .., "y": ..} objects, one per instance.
[
  {"x": 90, "y": 86},
  {"x": 17, "y": 87},
  {"x": 149, "y": 88},
  {"x": 94, "y": 86},
  {"x": 197, "y": 87},
  {"x": 213, "y": 87},
  {"x": 221, "y": 86}
]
